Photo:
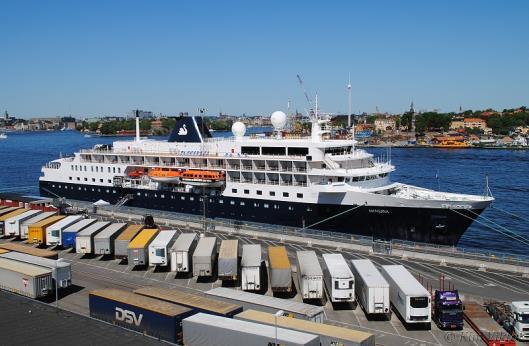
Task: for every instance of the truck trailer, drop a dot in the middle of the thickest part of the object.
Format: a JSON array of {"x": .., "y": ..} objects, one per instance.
[
  {"x": 514, "y": 317},
  {"x": 104, "y": 240},
  {"x": 228, "y": 264},
  {"x": 280, "y": 269},
  {"x": 310, "y": 275},
  {"x": 371, "y": 288},
  {"x": 486, "y": 327},
  {"x": 29, "y": 250},
  {"x": 338, "y": 278},
  {"x": 84, "y": 242},
  {"x": 12, "y": 225},
  {"x": 37, "y": 231},
  {"x": 25, "y": 279},
  {"x": 70, "y": 233},
  {"x": 206, "y": 330},
  {"x": 54, "y": 232},
  {"x": 24, "y": 226},
  {"x": 204, "y": 257},
  {"x": 192, "y": 301},
  {"x": 9, "y": 215},
  {"x": 329, "y": 335},
  {"x": 251, "y": 267},
  {"x": 182, "y": 251},
  {"x": 61, "y": 271},
  {"x": 145, "y": 315},
  {"x": 122, "y": 242},
  {"x": 407, "y": 295},
  {"x": 138, "y": 249},
  {"x": 159, "y": 249}
]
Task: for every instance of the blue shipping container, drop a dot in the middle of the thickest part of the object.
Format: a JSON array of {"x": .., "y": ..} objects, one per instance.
[{"x": 131, "y": 316}]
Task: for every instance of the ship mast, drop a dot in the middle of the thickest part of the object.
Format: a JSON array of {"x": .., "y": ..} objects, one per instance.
[{"x": 349, "y": 89}]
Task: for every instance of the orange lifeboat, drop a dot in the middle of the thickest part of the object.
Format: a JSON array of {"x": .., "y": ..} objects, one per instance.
[
  {"x": 203, "y": 178},
  {"x": 136, "y": 173},
  {"x": 165, "y": 175}
]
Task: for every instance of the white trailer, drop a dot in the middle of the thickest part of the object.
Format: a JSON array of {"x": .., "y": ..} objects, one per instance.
[
  {"x": 310, "y": 275},
  {"x": 12, "y": 225},
  {"x": 104, "y": 240},
  {"x": 159, "y": 249},
  {"x": 181, "y": 252},
  {"x": 24, "y": 226},
  {"x": 372, "y": 290},
  {"x": 251, "y": 267},
  {"x": 409, "y": 298},
  {"x": 84, "y": 242},
  {"x": 339, "y": 279},
  {"x": 204, "y": 257},
  {"x": 54, "y": 232}
]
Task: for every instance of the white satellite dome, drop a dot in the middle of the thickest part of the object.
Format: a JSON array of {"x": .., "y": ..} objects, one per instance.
[
  {"x": 279, "y": 120},
  {"x": 238, "y": 129}
]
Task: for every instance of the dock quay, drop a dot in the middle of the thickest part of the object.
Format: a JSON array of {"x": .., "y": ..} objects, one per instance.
[{"x": 478, "y": 277}]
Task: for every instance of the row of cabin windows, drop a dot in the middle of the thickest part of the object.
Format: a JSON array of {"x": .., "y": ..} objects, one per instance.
[
  {"x": 362, "y": 178},
  {"x": 83, "y": 188},
  {"x": 271, "y": 193},
  {"x": 282, "y": 151},
  {"x": 93, "y": 179},
  {"x": 97, "y": 169}
]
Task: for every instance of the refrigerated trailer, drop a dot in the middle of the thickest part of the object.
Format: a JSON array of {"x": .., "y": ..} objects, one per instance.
[
  {"x": 204, "y": 257},
  {"x": 61, "y": 271},
  {"x": 310, "y": 275},
  {"x": 24, "y": 226},
  {"x": 270, "y": 304},
  {"x": 54, "y": 232},
  {"x": 280, "y": 269},
  {"x": 12, "y": 225},
  {"x": 138, "y": 249},
  {"x": 70, "y": 233},
  {"x": 25, "y": 279},
  {"x": 338, "y": 279},
  {"x": 159, "y": 249},
  {"x": 145, "y": 315},
  {"x": 9, "y": 215},
  {"x": 122, "y": 242},
  {"x": 251, "y": 267},
  {"x": 181, "y": 252},
  {"x": 104, "y": 240},
  {"x": 329, "y": 335},
  {"x": 84, "y": 242},
  {"x": 371, "y": 288},
  {"x": 228, "y": 265},
  {"x": 407, "y": 295},
  {"x": 206, "y": 330},
  {"x": 37, "y": 231},
  {"x": 192, "y": 301}
]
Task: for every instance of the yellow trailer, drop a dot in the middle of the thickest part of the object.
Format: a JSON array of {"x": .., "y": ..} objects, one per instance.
[
  {"x": 138, "y": 249},
  {"x": 37, "y": 231}
]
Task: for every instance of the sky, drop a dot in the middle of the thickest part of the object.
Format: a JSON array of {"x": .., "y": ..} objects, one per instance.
[{"x": 92, "y": 58}]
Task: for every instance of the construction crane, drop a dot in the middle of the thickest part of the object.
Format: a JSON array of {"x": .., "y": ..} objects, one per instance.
[{"x": 304, "y": 91}]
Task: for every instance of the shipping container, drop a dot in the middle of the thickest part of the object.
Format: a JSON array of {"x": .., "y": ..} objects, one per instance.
[
  {"x": 121, "y": 243},
  {"x": 29, "y": 250},
  {"x": 104, "y": 240},
  {"x": 181, "y": 252},
  {"x": 84, "y": 242},
  {"x": 204, "y": 256},
  {"x": 270, "y": 304},
  {"x": 159, "y": 249},
  {"x": 228, "y": 264},
  {"x": 70, "y": 233},
  {"x": 37, "y": 231},
  {"x": 338, "y": 279},
  {"x": 372, "y": 290},
  {"x": 61, "y": 271},
  {"x": 329, "y": 335},
  {"x": 25, "y": 279},
  {"x": 310, "y": 275},
  {"x": 192, "y": 301},
  {"x": 206, "y": 330},
  {"x": 24, "y": 226},
  {"x": 251, "y": 267},
  {"x": 146, "y": 315},
  {"x": 54, "y": 232},
  {"x": 12, "y": 225},
  {"x": 407, "y": 295},
  {"x": 9, "y": 215},
  {"x": 138, "y": 248},
  {"x": 280, "y": 269}
]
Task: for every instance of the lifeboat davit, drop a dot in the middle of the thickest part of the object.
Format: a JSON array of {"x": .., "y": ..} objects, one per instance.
[
  {"x": 203, "y": 178},
  {"x": 165, "y": 175}
]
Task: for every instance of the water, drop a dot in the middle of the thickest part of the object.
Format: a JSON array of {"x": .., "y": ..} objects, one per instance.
[{"x": 461, "y": 170}]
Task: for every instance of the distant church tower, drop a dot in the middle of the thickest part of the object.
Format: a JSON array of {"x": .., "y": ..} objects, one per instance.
[
  {"x": 6, "y": 116},
  {"x": 412, "y": 111}
]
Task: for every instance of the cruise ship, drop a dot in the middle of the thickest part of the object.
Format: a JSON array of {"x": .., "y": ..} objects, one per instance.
[{"x": 308, "y": 182}]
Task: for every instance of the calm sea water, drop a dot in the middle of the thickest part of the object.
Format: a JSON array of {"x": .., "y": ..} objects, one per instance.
[{"x": 462, "y": 170}]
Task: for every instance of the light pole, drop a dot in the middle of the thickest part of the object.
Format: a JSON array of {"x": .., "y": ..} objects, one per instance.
[
  {"x": 276, "y": 315},
  {"x": 56, "y": 285}
]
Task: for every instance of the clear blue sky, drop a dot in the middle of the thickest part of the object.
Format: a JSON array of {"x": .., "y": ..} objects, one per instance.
[{"x": 108, "y": 57}]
